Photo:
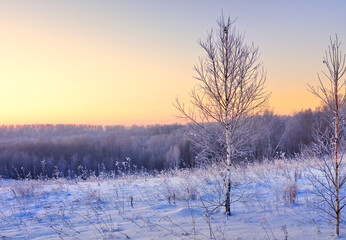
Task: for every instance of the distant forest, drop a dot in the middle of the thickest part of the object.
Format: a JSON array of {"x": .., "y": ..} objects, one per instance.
[{"x": 72, "y": 150}]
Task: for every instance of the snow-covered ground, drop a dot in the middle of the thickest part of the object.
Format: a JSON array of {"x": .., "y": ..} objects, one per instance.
[{"x": 180, "y": 204}]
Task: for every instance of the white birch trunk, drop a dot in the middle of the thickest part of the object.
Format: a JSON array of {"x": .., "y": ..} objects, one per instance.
[
  {"x": 336, "y": 184},
  {"x": 228, "y": 173}
]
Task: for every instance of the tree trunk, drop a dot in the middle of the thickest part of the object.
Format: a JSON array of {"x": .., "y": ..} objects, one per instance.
[
  {"x": 337, "y": 208},
  {"x": 228, "y": 173}
]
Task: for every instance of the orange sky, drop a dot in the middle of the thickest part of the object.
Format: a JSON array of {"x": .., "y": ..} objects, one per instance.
[{"x": 124, "y": 63}]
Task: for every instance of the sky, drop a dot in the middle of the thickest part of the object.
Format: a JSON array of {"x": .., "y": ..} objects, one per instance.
[{"x": 125, "y": 62}]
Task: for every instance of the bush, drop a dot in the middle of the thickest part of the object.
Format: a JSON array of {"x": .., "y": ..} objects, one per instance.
[{"x": 289, "y": 192}]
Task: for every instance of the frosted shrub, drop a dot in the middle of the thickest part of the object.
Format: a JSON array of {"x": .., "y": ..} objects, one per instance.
[
  {"x": 178, "y": 185},
  {"x": 169, "y": 193},
  {"x": 289, "y": 192},
  {"x": 25, "y": 189},
  {"x": 182, "y": 191},
  {"x": 191, "y": 192}
]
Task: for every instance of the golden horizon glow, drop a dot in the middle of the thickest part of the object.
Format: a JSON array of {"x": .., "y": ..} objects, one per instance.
[{"x": 61, "y": 63}]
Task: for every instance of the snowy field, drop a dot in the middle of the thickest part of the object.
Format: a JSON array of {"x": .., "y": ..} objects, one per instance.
[{"x": 173, "y": 205}]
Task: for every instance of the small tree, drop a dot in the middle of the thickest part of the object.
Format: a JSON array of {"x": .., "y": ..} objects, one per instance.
[
  {"x": 230, "y": 89},
  {"x": 333, "y": 179}
]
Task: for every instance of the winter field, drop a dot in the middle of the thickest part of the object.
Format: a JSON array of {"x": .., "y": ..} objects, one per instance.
[{"x": 272, "y": 200}]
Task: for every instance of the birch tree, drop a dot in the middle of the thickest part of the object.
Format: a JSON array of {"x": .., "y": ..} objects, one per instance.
[
  {"x": 333, "y": 97},
  {"x": 230, "y": 89}
]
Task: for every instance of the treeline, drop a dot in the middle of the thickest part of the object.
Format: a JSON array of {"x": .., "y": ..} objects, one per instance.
[{"x": 71, "y": 150}]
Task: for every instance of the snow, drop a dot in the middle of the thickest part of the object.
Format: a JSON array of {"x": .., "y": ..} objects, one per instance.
[{"x": 172, "y": 205}]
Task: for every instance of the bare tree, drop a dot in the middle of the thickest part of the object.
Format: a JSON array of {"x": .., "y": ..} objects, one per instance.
[
  {"x": 334, "y": 98},
  {"x": 230, "y": 89}
]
